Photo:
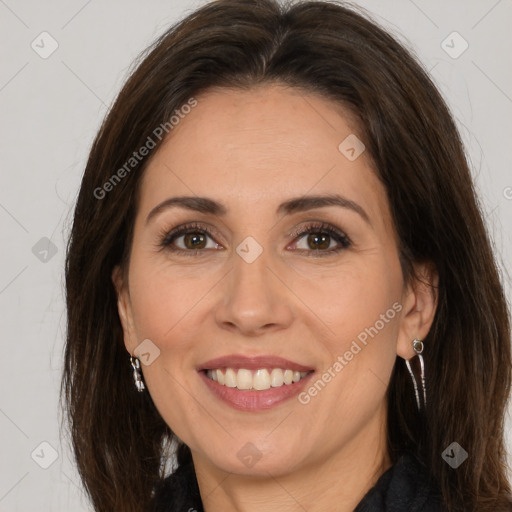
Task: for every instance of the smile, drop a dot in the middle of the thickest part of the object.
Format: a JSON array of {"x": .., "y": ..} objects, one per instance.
[
  {"x": 254, "y": 383},
  {"x": 259, "y": 379}
]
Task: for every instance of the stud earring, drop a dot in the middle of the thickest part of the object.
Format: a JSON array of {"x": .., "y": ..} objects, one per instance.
[
  {"x": 417, "y": 345},
  {"x": 137, "y": 375}
]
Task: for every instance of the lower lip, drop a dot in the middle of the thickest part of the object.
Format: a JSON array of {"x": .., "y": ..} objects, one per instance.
[{"x": 247, "y": 400}]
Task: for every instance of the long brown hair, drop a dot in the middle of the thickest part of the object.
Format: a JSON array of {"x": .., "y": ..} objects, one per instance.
[{"x": 119, "y": 439}]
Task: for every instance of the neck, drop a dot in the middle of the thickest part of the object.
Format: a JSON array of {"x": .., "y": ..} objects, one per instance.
[{"x": 342, "y": 478}]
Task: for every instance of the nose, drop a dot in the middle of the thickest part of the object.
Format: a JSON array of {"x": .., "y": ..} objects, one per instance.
[{"x": 255, "y": 298}]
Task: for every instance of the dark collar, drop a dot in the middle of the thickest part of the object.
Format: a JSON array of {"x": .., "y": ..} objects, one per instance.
[{"x": 405, "y": 487}]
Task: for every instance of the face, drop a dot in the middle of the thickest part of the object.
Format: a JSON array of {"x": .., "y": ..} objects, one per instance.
[{"x": 274, "y": 319}]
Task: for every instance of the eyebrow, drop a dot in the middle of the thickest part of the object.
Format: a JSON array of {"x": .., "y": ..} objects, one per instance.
[{"x": 298, "y": 204}]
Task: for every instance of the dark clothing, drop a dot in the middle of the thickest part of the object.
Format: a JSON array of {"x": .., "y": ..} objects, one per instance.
[{"x": 402, "y": 488}]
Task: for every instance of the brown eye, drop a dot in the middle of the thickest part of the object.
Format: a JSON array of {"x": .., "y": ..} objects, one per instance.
[
  {"x": 189, "y": 239},
  {"x": 194, "y": 240},
  {"x": 321, "y": 240},
  {"x": 317, "y": 241}
]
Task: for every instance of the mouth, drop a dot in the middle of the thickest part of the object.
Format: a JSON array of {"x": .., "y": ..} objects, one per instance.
[
  {"x": 256, "y": 383},
  {"x": 259, "y": 379}
]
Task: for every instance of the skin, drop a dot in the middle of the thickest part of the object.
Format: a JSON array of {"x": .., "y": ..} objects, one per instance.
[{"x": 252, "y": 150}]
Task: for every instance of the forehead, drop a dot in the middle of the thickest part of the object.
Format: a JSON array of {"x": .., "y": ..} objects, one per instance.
[{"x": 250, "y": 148}]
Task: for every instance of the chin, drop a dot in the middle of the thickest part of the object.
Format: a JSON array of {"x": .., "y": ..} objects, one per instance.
[{"x": 253, "y": 459}]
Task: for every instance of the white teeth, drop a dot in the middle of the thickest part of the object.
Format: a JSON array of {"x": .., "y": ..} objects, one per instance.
[
  {"x": 230, "y": 378},
  {"x": 259, "y": 379},
  {"x": 276, "y": 378},
  {"x": 244, "y": 379}
]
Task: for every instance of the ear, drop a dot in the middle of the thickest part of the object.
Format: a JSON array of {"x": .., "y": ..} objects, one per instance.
[
  {"x": 124, "y": 308},
  {"x": 419, "y": 303}
]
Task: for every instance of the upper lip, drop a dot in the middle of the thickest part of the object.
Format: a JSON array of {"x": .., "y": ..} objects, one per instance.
[{"x": 252, "y": 363}]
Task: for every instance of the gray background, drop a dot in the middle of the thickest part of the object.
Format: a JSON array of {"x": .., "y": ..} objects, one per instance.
[{"x": 51, "y": 109}]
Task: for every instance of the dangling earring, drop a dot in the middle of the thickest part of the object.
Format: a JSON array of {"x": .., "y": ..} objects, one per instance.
[
  {"x": 137, "y": 376},
  {"x": 418, "y": 348}
]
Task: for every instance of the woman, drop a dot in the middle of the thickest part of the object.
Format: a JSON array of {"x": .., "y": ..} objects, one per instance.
[{"x": 278, "y": 272}]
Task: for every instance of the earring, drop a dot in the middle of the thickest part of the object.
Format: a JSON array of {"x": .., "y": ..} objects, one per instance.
[
  {"x": 137, "y": 376},
  {"x": 417, "y": 345}
]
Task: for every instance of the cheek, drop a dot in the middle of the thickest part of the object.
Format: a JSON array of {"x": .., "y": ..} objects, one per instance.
[
  {"x": 358, "y": 307},
  {"x": 165, "y": 306},
  {"x": 352, "y": 296},
  {"x": 163, "y": 299}
]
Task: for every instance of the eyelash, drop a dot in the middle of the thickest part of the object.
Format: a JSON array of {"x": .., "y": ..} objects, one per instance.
[{"x": 167, "y": 237}]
